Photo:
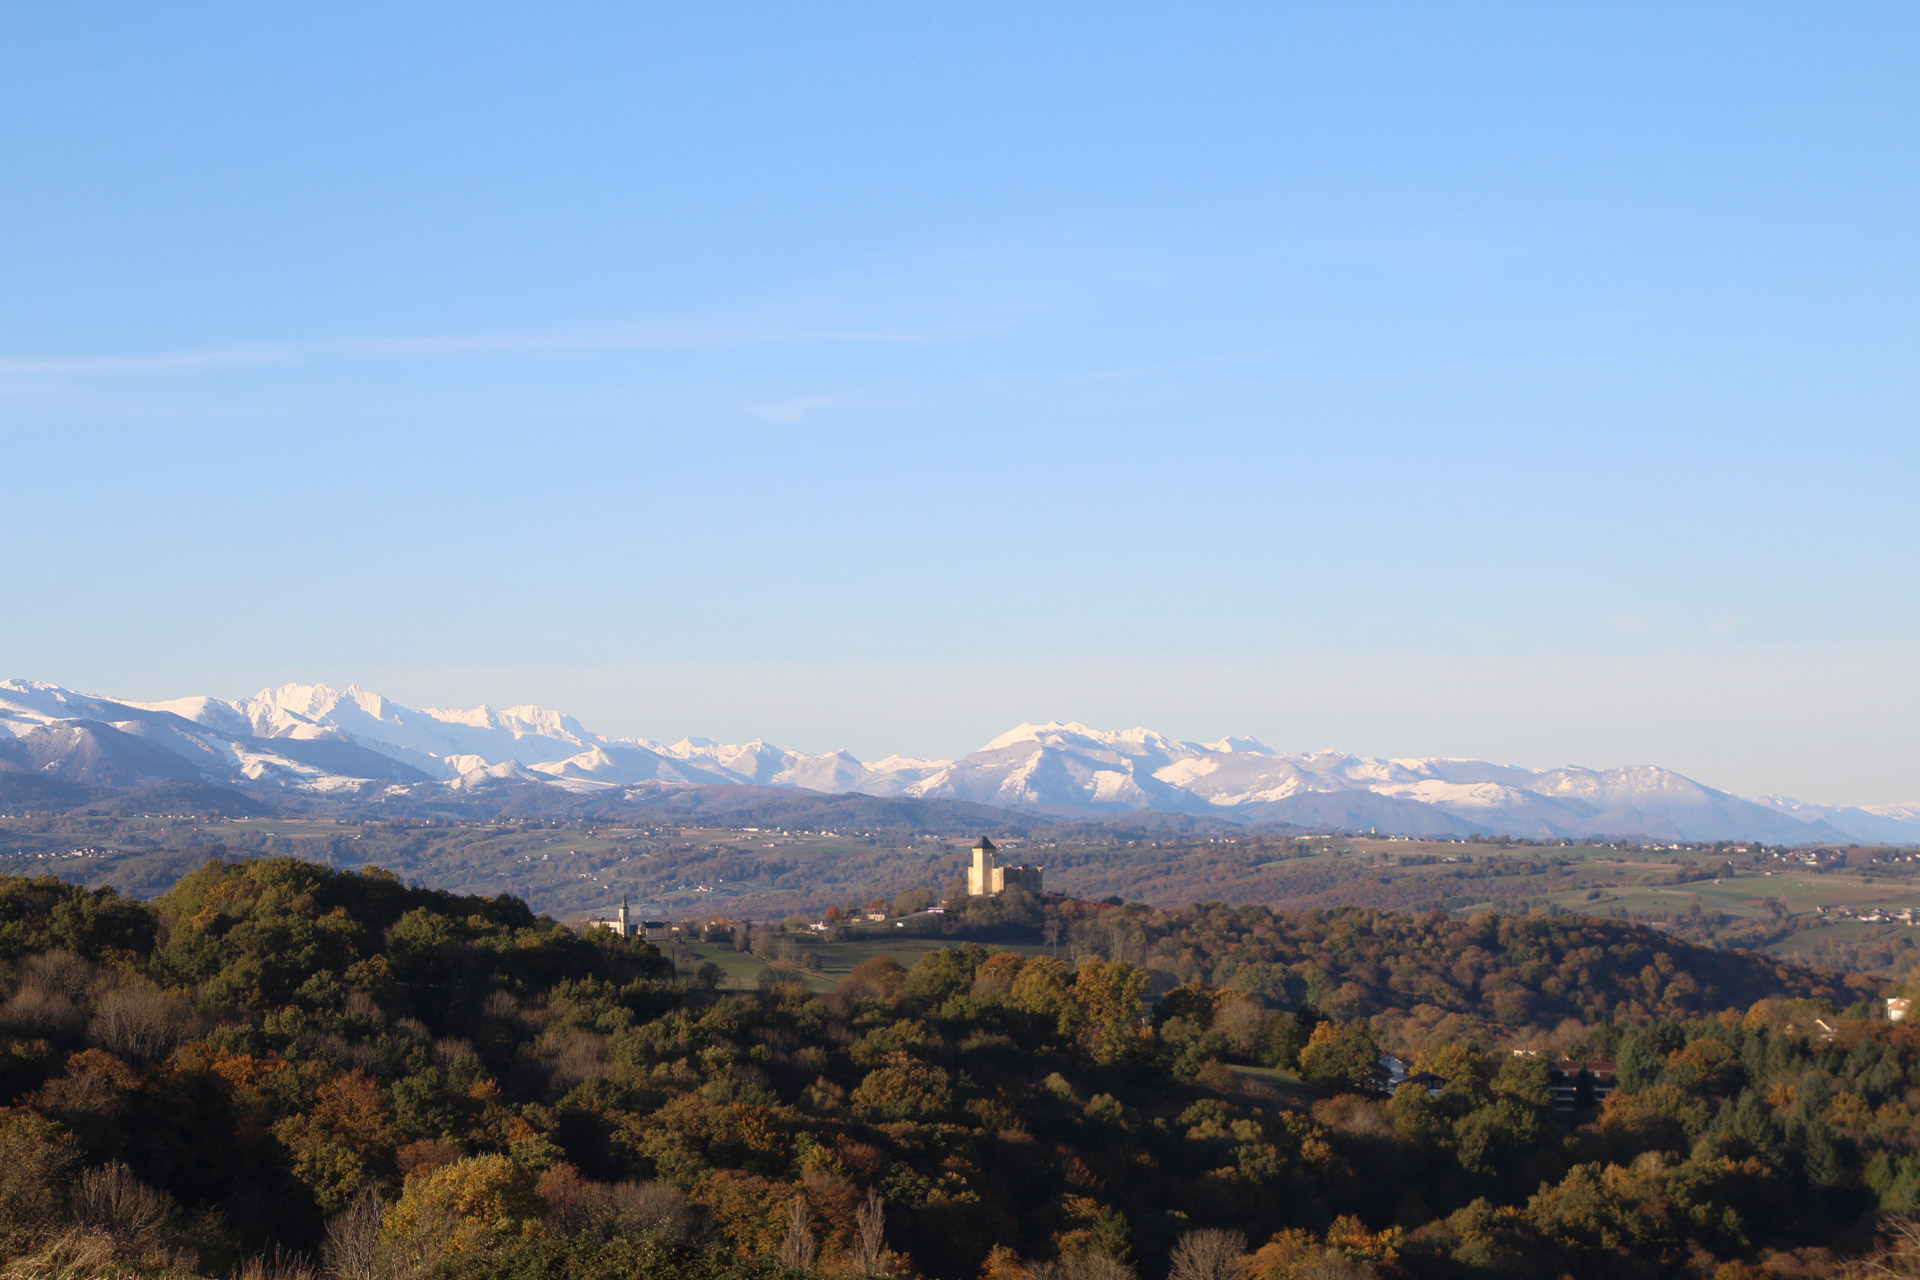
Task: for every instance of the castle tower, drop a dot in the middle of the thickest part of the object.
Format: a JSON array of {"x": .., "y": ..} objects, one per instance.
[
  {"x": 626, "y": 930},
  {"x": 983, "y": 877}
]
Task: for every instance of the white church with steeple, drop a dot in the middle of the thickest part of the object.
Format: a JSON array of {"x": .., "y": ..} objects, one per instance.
[{"x": 623, "y": 923}]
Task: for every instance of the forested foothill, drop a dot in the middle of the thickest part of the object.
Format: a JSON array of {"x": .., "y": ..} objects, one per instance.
[
  {"x": 765, "y": 853},
  {"x": 277, "y": 1069}
]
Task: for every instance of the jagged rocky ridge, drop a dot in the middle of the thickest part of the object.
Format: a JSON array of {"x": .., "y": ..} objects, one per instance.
[{"x": 353, "y": 742}]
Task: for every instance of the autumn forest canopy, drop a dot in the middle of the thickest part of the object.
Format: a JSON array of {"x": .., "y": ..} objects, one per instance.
[{"x": 279, "y": 1070}]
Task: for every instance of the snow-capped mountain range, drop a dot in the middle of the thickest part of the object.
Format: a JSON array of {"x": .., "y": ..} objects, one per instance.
[{"x": 318, "y": 740}]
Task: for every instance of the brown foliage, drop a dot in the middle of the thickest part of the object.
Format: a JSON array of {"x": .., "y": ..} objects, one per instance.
[
  {"x": 580, "y": 1207},
  {"x": 1208, "y": 1254},
  {"x": 994, "y": 978},
  {"x": 60, "y": 972},
  {"x": 35, "y": 1010},
  {"x": 351, "y": 1248},
  {"x": 140, "y": 1022},
  {"x": 112, "y": 1200},
  {"x": 572, "y": 1055},
  {"x": 88, "y": 1096},
  {"x": 36, "y": 1159},
  {"x": 799, "y": 1247},
  {"x": 426, "y": 1155},
  {"x": 878, "y": 978},
  {"x": 867, "y": 1251},
  {"x": 1899, "y": 1259},
  {"x": 750, "y": 1211}
]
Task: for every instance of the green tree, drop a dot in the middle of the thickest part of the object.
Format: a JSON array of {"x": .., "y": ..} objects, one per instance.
[
  {"x": 1108, "y": 994},
  {"x": 1345, "y": 1057},
  {"x": 37, "y": 1159},
  {"x": 905, "y": 1089},
  {"x": 464, "y": 1203}
]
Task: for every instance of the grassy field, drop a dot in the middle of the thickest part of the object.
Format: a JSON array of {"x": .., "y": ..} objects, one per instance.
[
  {"x": 1628, "y": 880},
  {"x": 1287, "y": 1084},
  {"x": 1854, "y": 933},
  {"x": 742, "y": 971},
  {"x": 1746, "y": 892},
  {"x": 838, "y": 959}
]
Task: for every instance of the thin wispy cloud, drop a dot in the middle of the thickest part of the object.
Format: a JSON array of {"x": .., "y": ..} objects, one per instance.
[
  {"x": 161, "y": 362},
  {"x": 795, "y": 410},
  {"x": 659, "y": 337}
]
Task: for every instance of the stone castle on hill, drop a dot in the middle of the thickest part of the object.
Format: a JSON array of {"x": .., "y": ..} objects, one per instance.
[{"x": 986, "y": 876}]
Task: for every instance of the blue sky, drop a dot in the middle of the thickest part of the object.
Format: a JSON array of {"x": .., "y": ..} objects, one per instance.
[{"x": 1531, "y": 382}]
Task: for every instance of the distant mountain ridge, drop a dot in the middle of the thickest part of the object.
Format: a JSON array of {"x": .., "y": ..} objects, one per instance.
[{"x": 316, "y": 740}]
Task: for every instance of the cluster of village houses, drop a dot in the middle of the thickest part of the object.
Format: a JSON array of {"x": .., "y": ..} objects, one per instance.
[{"x": 1872, "y": 915}]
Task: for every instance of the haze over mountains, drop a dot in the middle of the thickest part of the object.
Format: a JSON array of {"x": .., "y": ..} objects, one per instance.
[{"x": 318, "y": 741}]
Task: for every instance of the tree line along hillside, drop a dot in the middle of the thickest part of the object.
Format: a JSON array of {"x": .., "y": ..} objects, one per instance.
[
  {"x": 1810, "y": 905},
  {"x": 277, "y": 1070},
  {"x": 1434, "y": 976}
]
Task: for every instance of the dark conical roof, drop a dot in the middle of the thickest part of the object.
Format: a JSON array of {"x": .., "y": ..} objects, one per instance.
[{"x": 984, "y": 843}]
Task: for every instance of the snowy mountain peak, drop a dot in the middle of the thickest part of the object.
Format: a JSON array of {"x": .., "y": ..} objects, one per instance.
[
  {"x": 367, "y": 700},
  {"x": 308, "y": 701},
  {"x": 480, "y": 717},
  {"x": 315, "y": 738},
  {"x": 1134, "y": 741},
  {"x": 1239, "y": 746},
  {"x": 1031, "y": 733},
  {"x": 17, "y": 685}
]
